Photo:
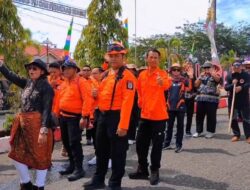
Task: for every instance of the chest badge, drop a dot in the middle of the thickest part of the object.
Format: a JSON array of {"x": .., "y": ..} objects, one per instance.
[
  {"x": 242, "y": 81},
  {"x": 130, "y": 85}
]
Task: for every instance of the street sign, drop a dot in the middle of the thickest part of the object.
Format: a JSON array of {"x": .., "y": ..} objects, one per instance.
[{"x": 55, "y": 7}]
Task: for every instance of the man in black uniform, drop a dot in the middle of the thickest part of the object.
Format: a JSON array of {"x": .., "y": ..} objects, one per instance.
[{"x": 242, "y": 81}]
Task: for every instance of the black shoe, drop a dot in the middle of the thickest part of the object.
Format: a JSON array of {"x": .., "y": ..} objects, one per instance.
[
  {"x": 113, "y": 188},
  {"x": 154, "y": 177},
  {"x": 139, "y": 174},
  {"x": 166, "y": 146},
  {"x": 77, "y": 174},
  {"x": 189, "y": 134},
  {"x": 178, "y": 149},
  {"x": 68, "y": 170},
  {"x": 37, "y": 188},
  {"x": 26, "y": 186},
  {"x": 93, "y": 184}
]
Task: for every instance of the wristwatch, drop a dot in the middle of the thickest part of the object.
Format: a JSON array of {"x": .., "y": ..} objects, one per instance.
[{"x": 44, "y": 130}]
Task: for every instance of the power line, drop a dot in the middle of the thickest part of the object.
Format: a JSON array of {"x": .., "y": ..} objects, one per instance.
[
  {"x": 48, "y": 15},
  {"x": 54, "y": 23}
]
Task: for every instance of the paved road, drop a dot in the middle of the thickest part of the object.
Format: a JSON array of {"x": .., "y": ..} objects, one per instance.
[{"x": 214, "y": 164}]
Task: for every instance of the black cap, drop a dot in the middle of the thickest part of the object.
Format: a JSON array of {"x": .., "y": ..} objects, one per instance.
[
  {"x": 207, "y": 64},
  {"x": 54, "y": 65},
  {"x": 39, "y": 63},
  {"x": 70, "y": 64},
  {"x": 236, "y": 64}
]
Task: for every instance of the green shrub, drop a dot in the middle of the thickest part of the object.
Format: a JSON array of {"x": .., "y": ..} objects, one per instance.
[{"x": 8, "y": 122}]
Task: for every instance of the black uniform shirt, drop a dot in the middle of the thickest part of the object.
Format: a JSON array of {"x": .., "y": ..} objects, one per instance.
[{"x": 241, "y": 98}]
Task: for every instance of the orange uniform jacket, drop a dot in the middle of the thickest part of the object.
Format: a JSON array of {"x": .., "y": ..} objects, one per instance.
[
  {"x": 55, "y": 84},
  {"x": 74, "y": 97},
  {"x": 123, "y": 98},
  {"x": 94, "y": 85},
  {"x": 151, "y": 98}
]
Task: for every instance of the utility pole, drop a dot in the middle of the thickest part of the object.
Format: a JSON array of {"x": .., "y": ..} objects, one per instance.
[{"x": 47, "y": 43}]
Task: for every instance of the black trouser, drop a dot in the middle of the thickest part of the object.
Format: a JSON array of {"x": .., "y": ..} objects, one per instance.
[
  {"x": 96, "y": 116},
  {"x": 245, "y": 113},
  {"x": 190, "y": 111},
  {"x": 134, "y": 120},
  {"x": 108, "y": 143},
  {"x": 180, "y": 127},
  {"x": 150, "y": 131},
  {"x": 208, "y": 109},
  {"x": 89, "y": 134},
  {"x": 71, "y": 138}
]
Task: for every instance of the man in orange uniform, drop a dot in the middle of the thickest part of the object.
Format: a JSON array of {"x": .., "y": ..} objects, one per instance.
[
  {"x": 55, "y": 80},
  {"x": 96, "y": 75},
  {"x": 73, "y": 108},
  {"x": 115, "y": 102},
  {"x": 152, "y": 83},
  {"x": 86, "y": 73}
]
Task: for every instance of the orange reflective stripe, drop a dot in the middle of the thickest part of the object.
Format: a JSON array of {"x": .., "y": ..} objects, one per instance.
[{"x": 180, "y": 103}]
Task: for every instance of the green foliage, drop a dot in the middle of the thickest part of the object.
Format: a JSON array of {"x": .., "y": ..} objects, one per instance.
[
  {"x": 8, "y": 122},
  {"x": 228, "y": 59},
  {"x": 193, "y": 39},
  {"x": 103, "y": 27},
  {"x": 168, "y": 47},
  {"x": 13, "y": 37},
  {"x": 13, "y": 41}
]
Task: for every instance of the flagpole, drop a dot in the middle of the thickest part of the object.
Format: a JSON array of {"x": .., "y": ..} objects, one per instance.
[{"x": 135, "y": 33}]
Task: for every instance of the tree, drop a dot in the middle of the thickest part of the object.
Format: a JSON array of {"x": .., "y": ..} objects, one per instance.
[
  {"x": 192, "y": 38},
  {"x": 13, "y": 37},
  {"x": 103, "y": 27},
  {"x": 13, "y": 41},
  {"x": 168, "y": 46},
  {"x": 227, "y": 38},
  {"x": 228, "y": 59}
]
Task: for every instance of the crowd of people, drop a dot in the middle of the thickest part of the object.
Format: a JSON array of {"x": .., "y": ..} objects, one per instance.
[{"x": 117, "y": 107}]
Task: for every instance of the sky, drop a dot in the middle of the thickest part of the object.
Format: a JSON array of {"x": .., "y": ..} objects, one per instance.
[{"x": 152, "y": 17}]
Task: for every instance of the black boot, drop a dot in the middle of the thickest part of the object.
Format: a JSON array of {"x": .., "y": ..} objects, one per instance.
[
  {"x": 94, "y": 184},
  {"x": 37, "y": 188},
  {"x": 141, "y": 173},
  {"x": 77, "y": 174},
  {"x": 69, "y": 169},
  {"x": 26, "y": 186},
  {"x": 154, "y": 177}
]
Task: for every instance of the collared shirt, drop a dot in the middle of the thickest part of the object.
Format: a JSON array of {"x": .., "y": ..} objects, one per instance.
[
  {"x": 151, "y": 97},
  {"x": 123, "y": 95}
]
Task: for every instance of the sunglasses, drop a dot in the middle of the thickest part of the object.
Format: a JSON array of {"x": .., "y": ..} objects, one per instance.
[
  {"x": 206, "y": 67},
  {"x": 34, "y": 68},
  {"x": 115, "y": 48},
  {"x": 86, "y": 70},
  {"x": 176, "y": 70}
]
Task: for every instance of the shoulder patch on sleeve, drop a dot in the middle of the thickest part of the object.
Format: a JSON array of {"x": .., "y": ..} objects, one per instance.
[{"x": 130, "y": 85}]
